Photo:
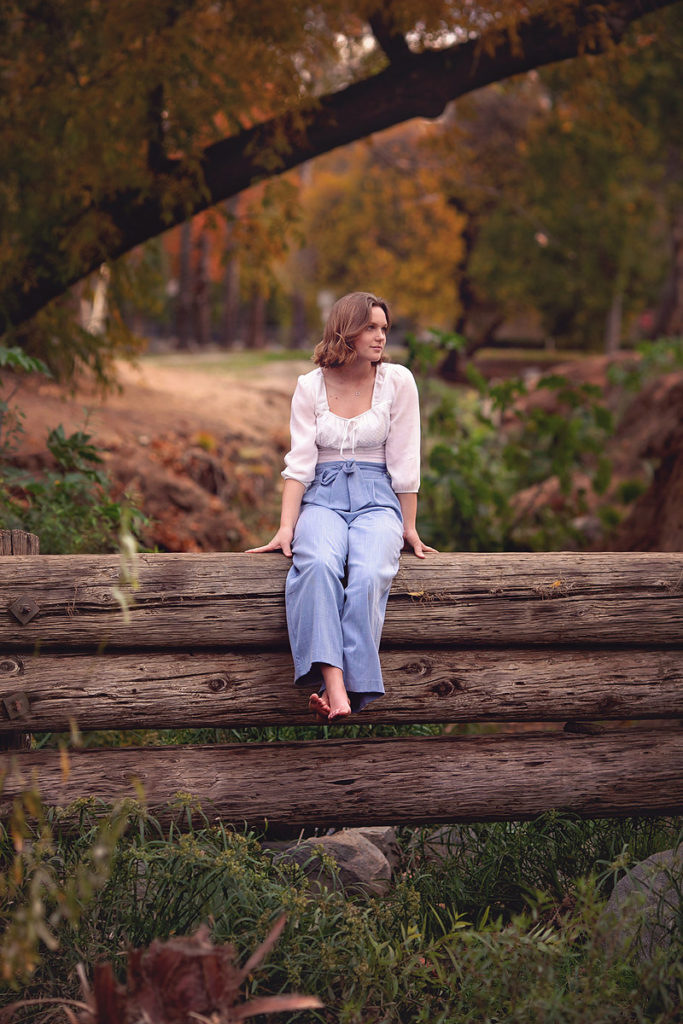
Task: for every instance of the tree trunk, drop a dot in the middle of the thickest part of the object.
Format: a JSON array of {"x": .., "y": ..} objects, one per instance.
[
  {"x": 256, "y": 332},
  {"x": 668, "y": 322},
  {"x": 417, "y": 85},
  {"x": 613, "y": 323},
  {"x": 201, "y": 292},
  {"x": 184, "y": 298}
]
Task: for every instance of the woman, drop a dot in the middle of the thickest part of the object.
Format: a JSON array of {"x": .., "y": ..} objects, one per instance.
[{"x": 348, "y": 505}]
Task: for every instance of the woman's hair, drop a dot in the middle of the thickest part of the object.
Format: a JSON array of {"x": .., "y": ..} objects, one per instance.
[{"x": 349, "y": 316}]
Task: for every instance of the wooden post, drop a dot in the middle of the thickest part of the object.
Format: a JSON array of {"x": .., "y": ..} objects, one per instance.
[{"x": 17, "y": 542}]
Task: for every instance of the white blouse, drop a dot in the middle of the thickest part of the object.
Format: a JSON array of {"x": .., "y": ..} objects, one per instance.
[{"x": 389, "y": 431}]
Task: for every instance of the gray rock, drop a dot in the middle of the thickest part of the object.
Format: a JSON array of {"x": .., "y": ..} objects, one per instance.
[
  {"x": 646, "y": 904},
  {"x": 384, "y": 838},
  {"x": 362, "y": 867}
]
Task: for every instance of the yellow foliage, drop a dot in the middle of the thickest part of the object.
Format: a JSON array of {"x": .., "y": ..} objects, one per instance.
[{"x": 377, "y": 218}]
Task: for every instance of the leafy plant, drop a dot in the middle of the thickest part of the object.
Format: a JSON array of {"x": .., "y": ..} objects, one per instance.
[
  {"x": 539, "y": 953},
  {"x": 70, "y": 507},
  {"x": 11, "y": 418},
  {"x": 487, "y": 448}
]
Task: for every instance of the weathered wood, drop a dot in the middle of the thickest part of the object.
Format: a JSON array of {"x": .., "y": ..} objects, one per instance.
[
  {"x": 357, "y": 782},
  {"x": 15, "y": 542},
  {"x": 18, "y": 542},
  {"x": 236, "y": 600},
  {"x": 184, "y": 689}
]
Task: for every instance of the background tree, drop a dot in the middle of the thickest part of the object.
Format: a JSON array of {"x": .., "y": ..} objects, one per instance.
[
  {"x": 374, "y": 212},
  {"x": 114, "y": 116},
  {"x": 581, "y": 229}
]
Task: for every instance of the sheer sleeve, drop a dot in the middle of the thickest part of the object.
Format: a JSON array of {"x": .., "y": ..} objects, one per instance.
[
  {"x": 403, "y": 440},
  {"x": 302, "y": 457}
]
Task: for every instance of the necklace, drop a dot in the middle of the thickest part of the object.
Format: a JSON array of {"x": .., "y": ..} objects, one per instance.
[{"x": 340, "y": 388}]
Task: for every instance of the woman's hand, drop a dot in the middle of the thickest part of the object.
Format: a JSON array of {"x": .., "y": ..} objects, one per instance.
[
  {"x": 412, "y": 539},
  {"x": 282, "y": 541}
]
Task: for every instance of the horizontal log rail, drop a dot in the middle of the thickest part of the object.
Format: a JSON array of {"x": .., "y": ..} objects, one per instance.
[
  {"x": 406, "y": 781},
  {"x": 236, "y": 600},
  {"x": 152, "y": 690},
  {"x": 527, "y": 638}
]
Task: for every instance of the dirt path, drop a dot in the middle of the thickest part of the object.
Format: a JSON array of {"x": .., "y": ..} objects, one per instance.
[{"x": 158, "y": 397}]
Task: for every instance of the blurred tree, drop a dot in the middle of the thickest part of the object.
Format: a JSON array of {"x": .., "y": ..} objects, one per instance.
[
  {"x": 570, "y": 186},
  {"x": 375, "y": 212},
  {"x": 121, "y": 120}
]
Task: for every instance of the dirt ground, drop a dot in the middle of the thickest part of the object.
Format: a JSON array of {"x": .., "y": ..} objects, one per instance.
[{"x": 191, "y": 446}]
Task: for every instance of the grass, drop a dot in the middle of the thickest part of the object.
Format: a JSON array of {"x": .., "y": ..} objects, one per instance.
[
  {"x": 238, "y": 363},
  {"x": 507, "y": 926}
]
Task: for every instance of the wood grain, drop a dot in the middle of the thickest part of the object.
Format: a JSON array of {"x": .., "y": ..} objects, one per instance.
[
  {"x": 344, "y": 782},
  {"x": 236, "y": 601},
  {"x": 151, "y": 689}
]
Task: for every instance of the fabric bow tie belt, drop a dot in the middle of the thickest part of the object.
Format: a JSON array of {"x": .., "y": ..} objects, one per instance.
[{"x": 347, "y": 488}]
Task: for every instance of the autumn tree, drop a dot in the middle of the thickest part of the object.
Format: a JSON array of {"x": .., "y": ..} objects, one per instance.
[
  {"x": 581, "y": 224},
  {"x": 114, "y": 115},
  {"x": 375, "y": 212}
]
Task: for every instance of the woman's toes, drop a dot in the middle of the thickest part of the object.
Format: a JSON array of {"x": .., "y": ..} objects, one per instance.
[
  {"x": 343, "y": 712},
  {"x": 318, "y": 706}
]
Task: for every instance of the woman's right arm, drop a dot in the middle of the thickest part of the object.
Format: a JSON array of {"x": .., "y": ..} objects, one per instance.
[
  {"x": 292, "y": 493},
  {"x": 300, "y": 465}
]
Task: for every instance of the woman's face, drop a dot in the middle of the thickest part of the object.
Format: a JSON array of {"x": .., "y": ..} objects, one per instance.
[{"x": 371, "y": 341}]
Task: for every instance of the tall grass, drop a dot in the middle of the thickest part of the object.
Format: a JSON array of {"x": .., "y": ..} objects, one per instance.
[{"x": 508, "y": 925}]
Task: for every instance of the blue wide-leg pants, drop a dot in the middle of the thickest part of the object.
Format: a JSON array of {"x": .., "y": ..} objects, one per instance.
[{"x": 345, "y": 553}]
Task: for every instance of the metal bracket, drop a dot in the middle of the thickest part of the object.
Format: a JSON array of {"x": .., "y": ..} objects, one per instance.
[
  {"x": 16, "y": 705},
  {"x": 24, "y": 609}
]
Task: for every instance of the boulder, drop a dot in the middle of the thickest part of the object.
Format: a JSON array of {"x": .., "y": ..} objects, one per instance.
[
  {"x": 384, "y": 838},
  {"x": 362, "y": 867},
  {"x": 645, "y": 904}
]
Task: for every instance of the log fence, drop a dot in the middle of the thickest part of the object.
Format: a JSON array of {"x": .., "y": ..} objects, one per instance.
[{"x": 584, "y": 650}]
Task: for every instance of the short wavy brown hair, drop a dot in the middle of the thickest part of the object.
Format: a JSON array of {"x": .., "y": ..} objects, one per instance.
[{"x": 349, "y": 316}]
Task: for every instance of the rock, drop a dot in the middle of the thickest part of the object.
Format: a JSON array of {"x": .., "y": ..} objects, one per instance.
[
  {"x": 646, "y": 903},
  {"x": 384, "y": 838},
  {"x": 363, "y": 868}
]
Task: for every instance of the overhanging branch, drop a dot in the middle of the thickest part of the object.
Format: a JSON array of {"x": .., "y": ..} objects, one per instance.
[{"x": 416, "y": 85}]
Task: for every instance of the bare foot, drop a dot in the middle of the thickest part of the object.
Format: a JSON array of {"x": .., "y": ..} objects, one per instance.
[
  {"x": 335, "y": 693},
  {"x": 343, "y": 712},
  {"x": 319, "y": 706}
]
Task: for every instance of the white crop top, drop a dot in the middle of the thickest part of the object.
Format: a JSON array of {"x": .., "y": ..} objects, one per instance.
[{"x": 389, "y": 431}]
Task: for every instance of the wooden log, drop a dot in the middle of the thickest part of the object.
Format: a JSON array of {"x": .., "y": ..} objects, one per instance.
[
  {"x": 18, "y": 542},
  {"x": 354, "y": 782},
  {"x": 149, "y": 689},
  {"x": 15, "y": 542},
  {"x": 236, "y": 600}
]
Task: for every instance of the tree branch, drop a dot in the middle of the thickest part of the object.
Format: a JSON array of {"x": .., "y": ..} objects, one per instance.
[
  {"x": 418, "y": 85},
  {"x": 393, "y": 43}
]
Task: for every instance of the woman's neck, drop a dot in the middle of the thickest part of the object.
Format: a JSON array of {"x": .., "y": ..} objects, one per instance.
[{"x": 356, "y": 373}]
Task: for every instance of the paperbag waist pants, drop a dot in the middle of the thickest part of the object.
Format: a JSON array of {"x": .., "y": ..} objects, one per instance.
[{"x": 345, "y": 553}]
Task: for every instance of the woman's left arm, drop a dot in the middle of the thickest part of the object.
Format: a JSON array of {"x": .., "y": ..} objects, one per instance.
[
  {"x": 403, "y": 453},
  {"x": 408, "y": 500}
]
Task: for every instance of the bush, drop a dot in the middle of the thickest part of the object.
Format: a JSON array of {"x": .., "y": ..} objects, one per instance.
[
  {"x": 417, "y": 955},
  {"x": 70, "y": 507}
]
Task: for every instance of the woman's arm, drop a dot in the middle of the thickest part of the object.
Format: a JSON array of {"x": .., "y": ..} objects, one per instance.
[
  {"x": 408, "y": 500},
  {"x": 292, "y": 493}
]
